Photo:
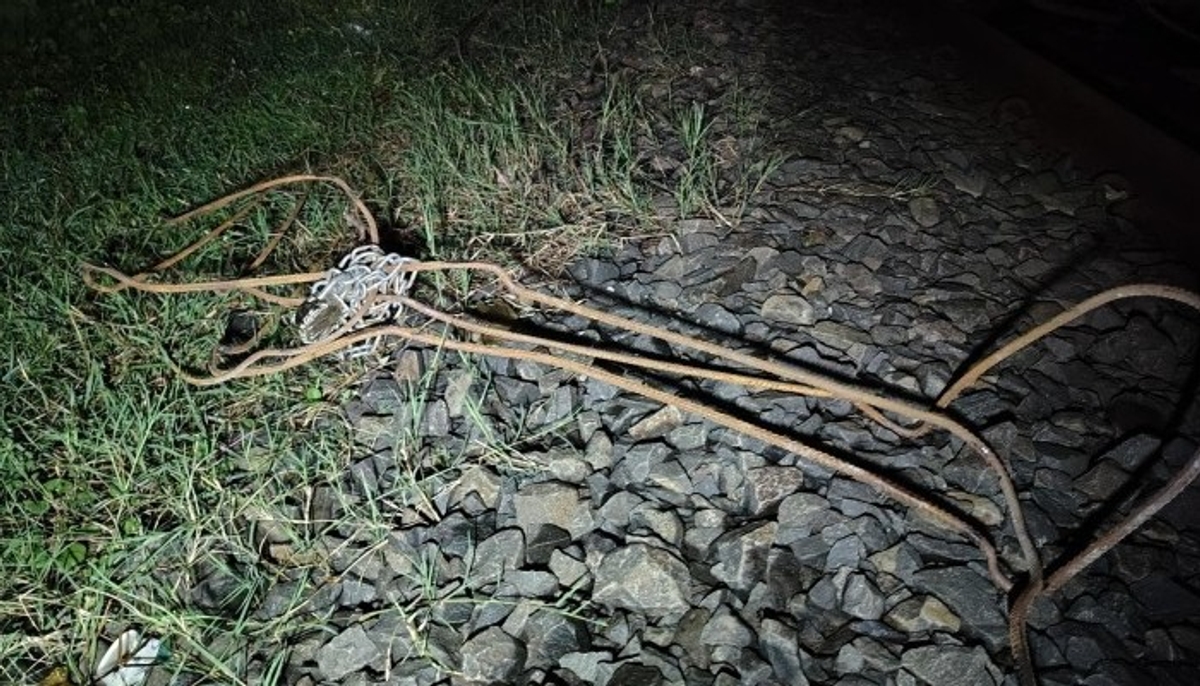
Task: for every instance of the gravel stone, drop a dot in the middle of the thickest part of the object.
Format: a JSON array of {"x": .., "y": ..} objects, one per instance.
[
  {"x": 802, "y": 513},
  {"x": 900, "y": 561},
  {"x": 726, "y": 629},
  {"x": 547, "y": 634},
  {"x": 586, "y": 666},
  {"x": 643, "y": 579},
  {"x": 847, "y": 552},
  {"x": 1085, "y": 651},
  {"x": 564, "y": 466},
  {"x": 615, "y": 511},
  {"x": 355, "y": 593},
  {"x": 279, "y": 600},
  {"x": 742, "y": 555},
  {"x": 443, "y": 644},
  {"x": 923, "y": 613},
  {"x": 635, "y": 674},
  {"x": 549, "y": 538},
  {"x": 599, "y": 451},
  {"x": 594, "y": 272},
  {"x": 788, "y": 309},
  {"x": 778, "y": 643},
  {"x": 1102, "y": 481},
  {"x": 688, "y": 437},
  {"x": 515, "y": 393},
  {"x": 825, "y": 593},
  {"x": 638, "y": 463},
  {"x": 568, "y": 569},
  {"x": 480, "y": 481},
  {"x": 657, "y": 424},
  {"x": 458, "y": 390},
  {"x": 492, "y": 656},
  {"x": 1133, "y": 452},
  {"x": 1166, "y": 600},
  {"x": 862, "y": 598},
  {"x": 528, "y": 583},
  {"x": 665, "y": 524},
  {"x": 970, "y": 596},
  {"x": 436, "y": 422},
  {"x": 671, "y": 477},
  {"x": 979, "y": 508},
  {"x": 950, "y": 665},
  {"x": 454, "y": 534},
  {"x": 718, "y": 318},
  {"x": 849, "y": 660},
  {"x": 552, "y": 503},
  {"x": 346, "y": 653},
  {"x": 767, "y": 486},
  {"x": 925, "y": 211}
]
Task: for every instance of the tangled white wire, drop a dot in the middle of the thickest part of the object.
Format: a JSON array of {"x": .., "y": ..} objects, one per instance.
[{"x": 333, "y": 301}]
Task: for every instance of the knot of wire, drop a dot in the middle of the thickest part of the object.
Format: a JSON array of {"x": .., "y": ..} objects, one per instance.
[{"x": 362, "y": 291}]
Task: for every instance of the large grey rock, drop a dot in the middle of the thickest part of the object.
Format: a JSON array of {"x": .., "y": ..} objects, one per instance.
[
  {"x": 688, "y": 437},
  {"x": 969, "y": 595},
  {"x": 777, "y": 642},
  {"x": 549, "y": 634},
  {"x": 944, "y": 665},
  {"x": 502, "y": 551},
  {"x": 594, "y": 272},
  {"x": 492, "y": 656},
  {"x": 742, "y": 554},
  {"x": 347, "y": 653},
  {"x": 766, "y": 487},
  {"x": 549, "y": 539},
  {"x": 788, "y": 309},
  {"x": 356, "y": 592},
  {"x": 726, "y": 629},
  {"x": 567, "y": 569},
  {"x": 925, "y": 211},
  {"x": 479, "y": 481},
  {"x": 636, "y": 465},
  {"x": 636, "y": 674},
  {"x": 718, "y": 318},
  {"x": 657, "y": 424},
  {"x": 1165, "y": 599},
  {"x": 847, "y": 552},
  {"x": 861, "y": 598},
  {"x": 1133, "y": 452},
  {"x": 528, "y": 583},
  {"x": 614, "y": 513},
  {"x": 923, "y": 613},
  {"x": 586, "y": 666},
  {"x": 552, "y": 503},
  {"x": 664, "y": 523},
  {"x": 643, "y": 579}
]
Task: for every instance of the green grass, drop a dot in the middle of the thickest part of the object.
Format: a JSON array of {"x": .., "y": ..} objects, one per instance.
[{"x": 117, "y": 480}]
